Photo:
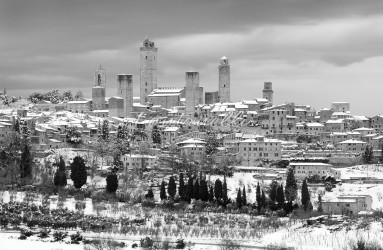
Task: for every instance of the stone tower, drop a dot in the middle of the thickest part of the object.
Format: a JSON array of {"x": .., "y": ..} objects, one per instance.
[
  {"x": 192, "y": 92},
  {"x": 268, "y": 92},
  {"x": 224, "y": 80},
  {"x": 98, "y": 91},
  {"x": 125, "y": 91},
  {"x": 148, "y": 70}
]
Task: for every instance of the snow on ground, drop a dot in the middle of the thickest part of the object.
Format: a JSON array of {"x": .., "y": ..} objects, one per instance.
[{"x": 375, "y": 171}]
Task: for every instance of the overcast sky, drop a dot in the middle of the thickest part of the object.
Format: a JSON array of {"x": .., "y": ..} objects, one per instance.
[{"x": 314, "y": 51}]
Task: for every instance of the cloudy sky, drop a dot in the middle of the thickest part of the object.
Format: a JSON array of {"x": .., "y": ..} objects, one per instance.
[{"x": 314, "y": 51}]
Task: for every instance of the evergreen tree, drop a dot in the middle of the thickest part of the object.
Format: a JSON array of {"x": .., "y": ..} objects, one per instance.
[
  {"x": 181, "y": 188},
  {"x": 73, "y": 135},
  {"x": 150, "y": 194},
  {"x": 280, "y": 195},
  {"x": 305, "y": 195},
  {"x": 368, "y": 154},
  {"x": 26, "y": 162},
  {"x": 381, "y": 153},
  {"x": 291, "y": 188},
  {"x": 105, "y": 130},
  {"x": 111, "y": 182},
  {"x": 224, "y": 192},
  {"x": 196, "y": 190},
  {"x": 244, "y": 199},
  {"x": 17, "y": 126},
  {"x": 258, "y": 196},
  {"x": 273, "y": 191},
  {"x": 218, "y": 190},
  {"x": 204, "y": 191},
  {"x": 320, "y": 208},
  {"x": 212, "y": 144},
  {"x": 163, "y": 191},
  {"x": 172, "y": 187},
  {"x": 211, "y": 194},
  {"x": 263, "y": 198},
  {"x": 239, "y": 198},
  {"x": 79, "y": 96},
  {"x": 190, "y": 189},
  {"x": 60, "y": 175},
  {"x": 156, "y": 135},
  {"x": 78, "y": 172}
]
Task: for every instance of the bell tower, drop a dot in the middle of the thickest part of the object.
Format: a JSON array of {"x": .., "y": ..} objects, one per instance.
[
  {"x": 148, "y": 69},
  {"x": 268, "y": 91}
]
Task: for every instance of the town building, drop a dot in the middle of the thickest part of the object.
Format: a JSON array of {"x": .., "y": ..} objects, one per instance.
[
  {"x": 303, "y": 170},
  {"x": 347, "y": 204}
]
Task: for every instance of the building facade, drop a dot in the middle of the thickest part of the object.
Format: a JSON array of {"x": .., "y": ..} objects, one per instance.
[{"x": 148, "y": 70}]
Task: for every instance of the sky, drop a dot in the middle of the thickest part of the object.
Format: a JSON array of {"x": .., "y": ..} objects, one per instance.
[{"x": 313, "y": 51}]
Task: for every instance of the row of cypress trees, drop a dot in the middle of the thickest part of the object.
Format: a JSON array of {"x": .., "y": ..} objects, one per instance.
[{"x": 195, "y": 188}]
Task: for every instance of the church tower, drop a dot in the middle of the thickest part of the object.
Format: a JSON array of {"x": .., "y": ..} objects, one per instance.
[
  {"x": 224, "y": 80},
  {"x": 268, "y": 92},
  {"x": 98, "y": 91},
  {"x": 148, "y": 70}
]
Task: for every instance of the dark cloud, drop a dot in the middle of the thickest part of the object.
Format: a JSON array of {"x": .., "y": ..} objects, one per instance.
[{"x": 57, "y": 44}]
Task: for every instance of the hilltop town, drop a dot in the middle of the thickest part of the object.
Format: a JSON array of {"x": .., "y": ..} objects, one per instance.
[{"x": 187, "y": 168}]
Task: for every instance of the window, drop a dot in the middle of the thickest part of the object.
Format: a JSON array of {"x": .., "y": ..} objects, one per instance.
[{"x": 347, "y": 205}]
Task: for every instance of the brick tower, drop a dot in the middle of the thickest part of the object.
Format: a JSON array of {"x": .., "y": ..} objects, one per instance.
[
  {"x": 148, "y": 70},
  {"x": 224, "y": 80},
  {"x": 268, "y": 92},
  {"x": 125, "y": 91},
  {"x": 98, "y": 91}
]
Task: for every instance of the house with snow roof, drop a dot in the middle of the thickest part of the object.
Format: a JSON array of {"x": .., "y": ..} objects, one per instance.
[{"x": 348, "y": 204}]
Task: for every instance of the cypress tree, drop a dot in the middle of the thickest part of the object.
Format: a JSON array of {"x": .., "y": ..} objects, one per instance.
[
  {"x": 239, "y": 198},
  {"x": 211, "y": 194},
  {"x": 196, "y": 190},
  {"x": 26, "y": 163},
  {"x": 244, "y": 200},
  {"x": 78, "y": 172},
  {"x": 172, "y": 188},
  {"x": 156, "y": 135},
  {"x": 305, "y": 195},
  {"x": 204, "y": 191},
  {"x": 224, "y": 191},
  {"x": 291, "y": 188},
  {"x": 320, "y": 208},
  {"x": 263, "y": 198},
  {"x": 17, "y": 126},
  {"x": 273, "y": 191},
  {"x": 163, "y": 191},
  {"x": 280, "y": 195},
  {"x": 181, "y": 188},
  {"x": 190, "y": 189},
  {"x": 218, "y": 190},
  {"x": 105, "y": 130},
  {"x": 60, "y": 175},
  {"x": 258, "y": 196},
  {"x": 111, "y": 182}
]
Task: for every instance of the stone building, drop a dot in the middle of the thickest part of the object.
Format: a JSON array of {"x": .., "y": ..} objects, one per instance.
[
  {"x": 98, "y": 91},
  {"x": 211, "y": 97},
  {"x": 347, "y": 204},
  {"x": 116, "y": 106},
  {"x": 125, "y": 90},
  {"x": 148, "y": 70},
  {"x": 340, "y": 106},
  {"x": 166, "y": 97},
  {"x": 224, "y": 80},
  {"x": 253, "y": 150},
  {"x": 79, "y": 106},
  {"x": 268, "y": 92},
  {"x": 193, "y": 92},
  {"x": 303, "y": 170}
]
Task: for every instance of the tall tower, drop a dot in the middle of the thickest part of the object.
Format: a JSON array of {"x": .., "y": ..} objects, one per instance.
[
  {"x": 192, "y": 92},
  {"x": 98, "y": 91},
  {"x": 125, "y": 90},
  {"x": 224, "y": 80},
  {"x": 268, "y": 91},
  {"x": 148, "y": 70}
]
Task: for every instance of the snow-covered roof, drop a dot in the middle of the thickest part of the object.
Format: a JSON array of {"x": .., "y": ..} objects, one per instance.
[
  {"x": 334, "y": 121},
  {"x": 78, "y": 102},
  {"x": 363, "y": 129},
  {"x": 192, "y": 141},
  {"x": 299, "y": 110},
  {"x": 314, "y": 124},
  {"x": 352, "y": 141},
  {"x": 309, "y": 164},
  {"x": 171, "y": 129}
]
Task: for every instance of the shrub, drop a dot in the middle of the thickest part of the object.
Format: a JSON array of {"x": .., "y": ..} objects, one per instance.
[
  {"x": 148, "y": 203},
  {"x": 59, "y": 235},
  {"x": 180, "y": 244},
  {"x": 44, "y": 233},
  {"x": 76, "y": 238},
  {"x": 281, "y": 213},
  {"x": 146, "y": 242},
  {"x": 362, "y": 244},
  {"x": 227, "y": 244}
]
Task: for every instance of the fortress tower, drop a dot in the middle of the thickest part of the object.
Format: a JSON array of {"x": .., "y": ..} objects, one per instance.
[
  {"x": 224, "y": 80},
  {"x": 125, "y": 91},
  {"x": 193, "y": 92},
  {"x": 148, "y": 70},
  {"x": 268, "y": 92},
  {"x": 98, "y": 91}
]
